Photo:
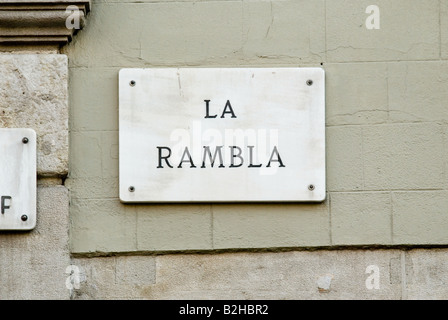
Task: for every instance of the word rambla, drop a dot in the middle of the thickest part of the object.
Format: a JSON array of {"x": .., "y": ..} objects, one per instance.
[{"x": 236, "y": 158}]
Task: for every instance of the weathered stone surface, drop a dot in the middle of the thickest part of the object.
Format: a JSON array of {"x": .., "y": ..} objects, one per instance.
[
  {"x": 114, "y": 277},
  {"x": 427, "y": 274},
  {"x": 33, "y": 264},
  {"x": 33, "y": 94},
  {"x": 393, "y": 274},
  {"x": 409, "y": 30},
  {"x": 250, "y": 275}
]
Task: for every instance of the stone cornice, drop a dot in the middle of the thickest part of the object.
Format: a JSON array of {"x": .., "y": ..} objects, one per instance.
[{"x": 41, "y": 22}]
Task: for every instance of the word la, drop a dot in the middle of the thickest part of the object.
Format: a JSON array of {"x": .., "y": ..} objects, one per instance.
[{"x": 227, "y": 110}]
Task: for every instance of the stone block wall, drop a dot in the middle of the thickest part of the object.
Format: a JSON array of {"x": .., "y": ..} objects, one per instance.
[
  {"x": 386, "y": 142},
  {"x": 34, "y": 94}
]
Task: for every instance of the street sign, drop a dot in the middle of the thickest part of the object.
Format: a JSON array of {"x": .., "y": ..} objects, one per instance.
[
  {"x": 222, "y": 135},
  {"x": 17, "y": 179}
]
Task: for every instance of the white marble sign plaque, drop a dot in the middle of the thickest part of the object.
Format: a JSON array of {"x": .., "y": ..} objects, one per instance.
[
  {"x": 17, "y": 179},
  {"x": 222, "y": 135}
]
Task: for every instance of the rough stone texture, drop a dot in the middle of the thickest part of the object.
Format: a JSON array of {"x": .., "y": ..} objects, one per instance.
[
  {"x": 427, "y": 275},
  {"x": 34, "y": 94},
  {"x": 114, "y": 277},
  {"x": 318, "y": 275},
  {"x": 281, "y": 275},
  {"x": 416, "y": 274},
  {"x": 33, "y": 264}
]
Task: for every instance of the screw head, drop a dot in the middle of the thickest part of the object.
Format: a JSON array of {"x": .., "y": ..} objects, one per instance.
[
  {"x": 311, "y": 187},
  {"x": 25, "y": 140},
  {"x": 132, "y": 83},
  {"x": 131, "y": 189},
  {"x": 24, "y": 217},
  {"x": 309, "y": 82}
]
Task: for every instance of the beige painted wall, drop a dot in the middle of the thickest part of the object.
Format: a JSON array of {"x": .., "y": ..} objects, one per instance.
[{"x": 385, "y": 114}]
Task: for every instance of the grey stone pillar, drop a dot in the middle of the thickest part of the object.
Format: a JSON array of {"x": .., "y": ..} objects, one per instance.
[{"x": 34, "y": 94}]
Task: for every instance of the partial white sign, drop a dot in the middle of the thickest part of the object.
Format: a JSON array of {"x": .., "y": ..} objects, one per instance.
[
  {"x": 222, "y": 135},
  {"x": 17, "y": 179}
]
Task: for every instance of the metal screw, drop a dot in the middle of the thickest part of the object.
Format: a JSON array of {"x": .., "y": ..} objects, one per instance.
[
  {"x": 131, "y": 189},
  {"x": 25, "y": 140},
  {"x": 24, "y": 217},
  {"x": 309, "y": 82},
  {"x": 132, "y": 83},
  {"x": 311, "y": 187}
]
